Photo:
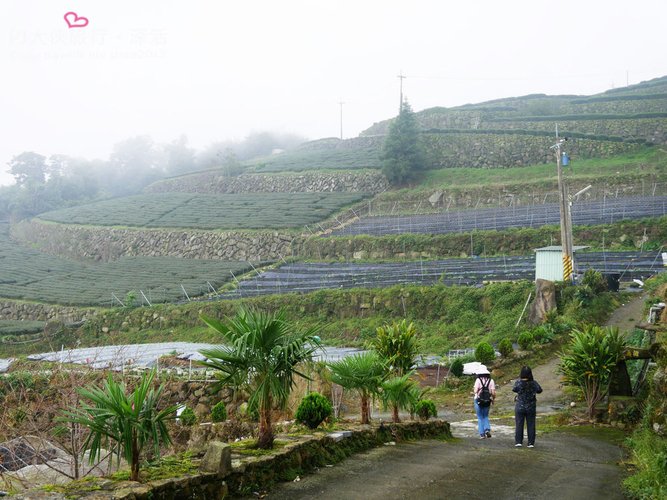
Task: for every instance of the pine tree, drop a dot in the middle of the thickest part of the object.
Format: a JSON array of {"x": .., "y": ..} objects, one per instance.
[{"x": 402, "y": 156}]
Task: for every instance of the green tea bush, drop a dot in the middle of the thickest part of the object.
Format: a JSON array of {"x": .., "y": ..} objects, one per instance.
[
  {"x": 33, "y": 275},
  {"x": 505, "y": 347},
  {"x": 426, "y": 409},
  {"x": 313, "y": 410},
  {"x": 219, "y": 412},
  {"x": 208, "y": 211},
  {"x": 188, "y": 417},
  {"x": 485, "y": 353},
  {"x": 456, "y": 367},
  {"x": 526, "y": 340}
]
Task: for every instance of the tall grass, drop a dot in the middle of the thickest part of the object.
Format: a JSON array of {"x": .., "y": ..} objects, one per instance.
[{"x": 649, "y": 457}]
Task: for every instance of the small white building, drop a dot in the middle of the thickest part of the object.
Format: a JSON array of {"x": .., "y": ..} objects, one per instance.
[{"x": 549, "y": 262}]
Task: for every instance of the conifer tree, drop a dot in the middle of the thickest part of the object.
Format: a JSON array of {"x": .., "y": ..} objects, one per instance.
[{"x": 402, "y": 156}]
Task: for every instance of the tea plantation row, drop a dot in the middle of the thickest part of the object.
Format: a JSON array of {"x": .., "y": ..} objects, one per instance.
[
  {"x": 206, "y": 211},
  {"x": 31, "y": 275}
]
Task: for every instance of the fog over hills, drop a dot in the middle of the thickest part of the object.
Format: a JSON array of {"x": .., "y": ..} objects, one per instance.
[{"x": 219, "y": 71}]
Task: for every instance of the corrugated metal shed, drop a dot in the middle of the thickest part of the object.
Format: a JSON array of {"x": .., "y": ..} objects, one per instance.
[{"x": 549, "y": 262}]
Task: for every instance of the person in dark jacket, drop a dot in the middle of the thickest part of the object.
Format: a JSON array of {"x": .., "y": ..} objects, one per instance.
[{"x": 526, "y": 406}]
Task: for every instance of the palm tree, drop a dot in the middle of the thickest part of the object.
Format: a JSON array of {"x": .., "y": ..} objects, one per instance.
[
  {"x": 589, "y": 359},
  {"x": 400, "y": 393},
  {"x": 397, "y": 346},
  {"x": 266, "y": 349},
  {"x": 125, "y": 421},
  {"x": 362, "y": 373}
]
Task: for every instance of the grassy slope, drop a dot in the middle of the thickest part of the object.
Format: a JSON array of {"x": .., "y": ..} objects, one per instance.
[
  {"x": 646, "y": 162},
  {"x": 649, "y": 164}
]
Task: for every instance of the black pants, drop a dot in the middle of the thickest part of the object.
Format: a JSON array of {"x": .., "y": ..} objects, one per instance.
[{"x": 521, "y": 415}]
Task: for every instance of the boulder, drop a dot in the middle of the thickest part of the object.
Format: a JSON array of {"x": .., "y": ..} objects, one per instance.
[
  {"x": 545, "y": 301},
  {"x": 218, "y": 459},
  {"x": 436, "y": 198}
]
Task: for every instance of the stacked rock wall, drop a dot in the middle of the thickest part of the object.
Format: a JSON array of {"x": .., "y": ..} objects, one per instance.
[
  {"x": 105, "y": 244},
  {"x": 215, "y": 182}
]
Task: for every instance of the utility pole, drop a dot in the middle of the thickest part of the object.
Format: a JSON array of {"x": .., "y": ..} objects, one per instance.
[
  {"x": 341, "y": 119},
  {"x": 401, "y": 77},
  {"x": 565, "y": 221}
]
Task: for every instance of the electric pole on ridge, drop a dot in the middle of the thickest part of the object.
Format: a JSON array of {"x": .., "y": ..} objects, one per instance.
[
  {"x": 565, "y": 217},
  {"x": 401, "y": 77}
]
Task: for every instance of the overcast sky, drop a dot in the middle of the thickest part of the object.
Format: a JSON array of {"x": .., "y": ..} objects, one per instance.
[{"x": 217, "y": 70}]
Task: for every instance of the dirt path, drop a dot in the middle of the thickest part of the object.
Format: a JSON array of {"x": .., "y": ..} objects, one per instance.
[
  {"x": 629, "y": 313},
  {"x": 552, "y": 397},
  {"x": 565, "y": 464}
]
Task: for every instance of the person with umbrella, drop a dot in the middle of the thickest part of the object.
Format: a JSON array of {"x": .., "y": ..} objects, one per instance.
[{"x": 484, "y": 392}]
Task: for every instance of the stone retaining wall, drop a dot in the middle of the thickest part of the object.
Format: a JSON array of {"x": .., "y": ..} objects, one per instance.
[
  {"x": 215, "y": 182},
  {"x": 29, "y": 311},
  {"x": 486, "y": 116},
  {"x": 492, "y": 150},
  {"x": 105, "y": 244},
  {"x": 653, "y": 130},
  {"x": 259, "y": 473}
]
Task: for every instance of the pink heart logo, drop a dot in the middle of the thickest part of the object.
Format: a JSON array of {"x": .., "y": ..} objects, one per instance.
[{"x": 75, "y": 21}]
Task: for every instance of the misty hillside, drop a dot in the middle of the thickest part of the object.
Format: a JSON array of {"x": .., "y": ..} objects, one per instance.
[
  {"x": 604, "y": 125},
  {"x": 632, "y": 105},
  {"x": 191, "y": 234}
]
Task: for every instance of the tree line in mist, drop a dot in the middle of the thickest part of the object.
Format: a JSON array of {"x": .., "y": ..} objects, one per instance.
[{"x": 46, "y": 183}]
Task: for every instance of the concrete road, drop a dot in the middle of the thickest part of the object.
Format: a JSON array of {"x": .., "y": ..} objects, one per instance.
[{"x": 563, "y": 465}]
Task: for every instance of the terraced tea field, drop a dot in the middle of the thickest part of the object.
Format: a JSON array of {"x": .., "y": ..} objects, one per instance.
[
  {"x": 306, "y": 277},
  {"x": 587, "y": 213},
  {"x": 206, "y": 211},
  {"x": 31, "y": 275},
  {"x": 357, "y": 155}
]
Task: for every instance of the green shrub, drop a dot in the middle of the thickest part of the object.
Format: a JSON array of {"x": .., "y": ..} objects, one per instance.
[
  {"x": 425, "y": 409},
  {"x": 595, "y": 281},
  {"x": 188, "y": 417},
  {"x": 397, "y": 346},
  {"x": 542, "y": 334},
  {"x": 219, "y": 412},
  {"x": 584, "y": 294},
  {"x": 526, "y": 340},
  {"x": 505, "y": 347},
  {"x": 564, "y": 294},
  {"x": 485, "y": 353},
  {"x": 456, "y": 367},
  {"x": 589, "y": 359},
  {"x": 313, "y": 410},
  {"x": 649, "y": 454}
]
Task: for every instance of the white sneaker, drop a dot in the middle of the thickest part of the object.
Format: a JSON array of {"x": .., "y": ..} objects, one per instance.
[
  {"x": 518, "y": 445},
  {"x": 531, "y": 446}
]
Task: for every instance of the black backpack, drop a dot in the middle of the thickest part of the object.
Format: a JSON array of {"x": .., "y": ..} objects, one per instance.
[{"x": 484, "y": 399}]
